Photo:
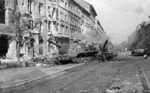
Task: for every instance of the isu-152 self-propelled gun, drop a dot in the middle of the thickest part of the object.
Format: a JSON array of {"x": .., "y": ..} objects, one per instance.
[
  {"x": 69, "y": 50},
  {"x": 107, "y": 51}
]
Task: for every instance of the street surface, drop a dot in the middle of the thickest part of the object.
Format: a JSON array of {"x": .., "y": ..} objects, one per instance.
[{"x": 97, "y": 77}]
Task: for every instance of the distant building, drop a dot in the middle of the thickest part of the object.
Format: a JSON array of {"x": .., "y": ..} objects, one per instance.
[
  {"x": 140, "y": 38},
  {"x": 89, "y": 24}
]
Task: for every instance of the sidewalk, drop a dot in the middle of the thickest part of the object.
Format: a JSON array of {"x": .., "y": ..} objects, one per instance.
[{"x": 10, "y": 78}]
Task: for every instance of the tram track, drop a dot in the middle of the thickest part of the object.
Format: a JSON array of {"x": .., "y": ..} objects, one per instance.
[
  {"x": 99, "y": 75},
  {"x": 143, "y": 79},
  {"x": 65, "y": 74},
  {"x": 89, "y": 72},
  {"x": 108, "y": 84}
]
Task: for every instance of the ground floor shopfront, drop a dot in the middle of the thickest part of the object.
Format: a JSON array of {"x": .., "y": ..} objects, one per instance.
[
  {"x": 40, "y": 46},
  {"x": 7, "y": 33},
  {"x": 9, "y": 44}
]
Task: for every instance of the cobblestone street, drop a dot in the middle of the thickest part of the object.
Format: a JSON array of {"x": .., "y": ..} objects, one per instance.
[{"x": 97, "y": 77}]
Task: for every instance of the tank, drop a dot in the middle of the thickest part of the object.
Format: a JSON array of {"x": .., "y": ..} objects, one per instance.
[
  {"x": 70, "y": 50},
  {"x": 107, "y": 51}
]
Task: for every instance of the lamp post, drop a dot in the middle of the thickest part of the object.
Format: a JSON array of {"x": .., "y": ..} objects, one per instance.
[{"x": 18, "y": 37}]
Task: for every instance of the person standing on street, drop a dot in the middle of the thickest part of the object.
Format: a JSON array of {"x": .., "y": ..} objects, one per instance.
[{"x": 145, "y": 54}]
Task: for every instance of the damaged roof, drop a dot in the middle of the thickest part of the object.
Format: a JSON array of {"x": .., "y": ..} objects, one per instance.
[
  {"x": 83, "y": 4},
  {"x": 87, "y": 6}
]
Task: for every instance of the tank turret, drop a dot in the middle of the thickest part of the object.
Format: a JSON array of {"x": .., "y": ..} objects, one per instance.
[{"x": 63, "y": 48}]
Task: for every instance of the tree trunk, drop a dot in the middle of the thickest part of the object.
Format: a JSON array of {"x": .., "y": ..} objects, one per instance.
[{"x": 18, "y": 52}]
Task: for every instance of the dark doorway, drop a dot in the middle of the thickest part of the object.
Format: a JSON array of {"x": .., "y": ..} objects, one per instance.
[
  {"x": 3, "y": 45},
  {"x": 40, "y": 45}
]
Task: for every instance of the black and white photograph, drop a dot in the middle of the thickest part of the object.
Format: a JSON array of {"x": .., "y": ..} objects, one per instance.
[{"x": 74, "y": 46}]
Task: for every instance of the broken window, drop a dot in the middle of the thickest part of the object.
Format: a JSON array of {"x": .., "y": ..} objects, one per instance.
[
  {"x": 61, "y": 15},
  {"x": 49, "y": 26},
  {"x": 40, "y": 8},
  {"x": 66, "y": 5},
  {"x": 66, "y": 18},
  {"x": 54, "y": 13},
  {"x": 29, "y": 6},
  {"x": 40, "y": 45},
  {"x": 30, "y": 24},
  {"x": 49, "y": 11},
  {"x": 54, "y": 26},
  {"x": 2, "y": 11},
  {"x": 57, "y": 27}
]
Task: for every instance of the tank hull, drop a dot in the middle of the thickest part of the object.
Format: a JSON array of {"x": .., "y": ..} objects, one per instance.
[{"x": 77, "y": 52}]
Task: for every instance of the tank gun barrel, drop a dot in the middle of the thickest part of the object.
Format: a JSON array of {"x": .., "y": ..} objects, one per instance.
[
  {"x": 104, "y": 46},
  {"x": 51, "y": 42}
]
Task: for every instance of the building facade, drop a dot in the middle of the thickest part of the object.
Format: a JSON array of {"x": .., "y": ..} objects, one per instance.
[
  {"x": 43, "y": 19},
  {"x": 89, "y": 24},
  {"x": 140, "y": 37},
  {"x": 74, "y": 20},
  {"x": 7, "y": 30},
  {"x": 102, "y": 36}
]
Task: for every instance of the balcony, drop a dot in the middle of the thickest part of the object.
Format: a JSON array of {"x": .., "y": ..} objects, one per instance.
[{"x": 7, "y": 30}]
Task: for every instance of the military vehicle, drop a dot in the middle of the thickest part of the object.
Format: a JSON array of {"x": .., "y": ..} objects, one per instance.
[
  {"x": 107, "y": 51},
  {"x": 76, "y": 51}
]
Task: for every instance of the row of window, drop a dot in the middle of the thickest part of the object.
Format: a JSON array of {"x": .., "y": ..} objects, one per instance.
[
  {"x": 70, "y": 19},
  {"x": 74, "y": 10},
  {"x": 63, "y": 17},
  {"x": 74, "y": 20},
  {"x": 85, "y": 19},
  {"x": 38, "y": 7}
]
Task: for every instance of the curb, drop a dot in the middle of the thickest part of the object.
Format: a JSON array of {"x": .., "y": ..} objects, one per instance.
[{"x": 33, "y": 83}]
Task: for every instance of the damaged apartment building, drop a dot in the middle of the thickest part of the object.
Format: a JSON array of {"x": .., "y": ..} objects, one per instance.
[
  {"x": 7, "y": 30},
  {"x": 40, "y": 20},
  {"x": 22, "y": 20}
]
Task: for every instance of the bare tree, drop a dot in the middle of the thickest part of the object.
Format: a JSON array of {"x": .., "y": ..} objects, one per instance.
[
  {"x": 21, "y": 23},
  {"x": 24, "y": 22}
]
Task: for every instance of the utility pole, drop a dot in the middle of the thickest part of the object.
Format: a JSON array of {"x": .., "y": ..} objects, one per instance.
[
  {"x": 18, "y": 46},
  {"x": 18, "y": 34}
]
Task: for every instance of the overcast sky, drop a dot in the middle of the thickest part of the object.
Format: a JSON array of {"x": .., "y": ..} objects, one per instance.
[{"x": 119, "y": 18}]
